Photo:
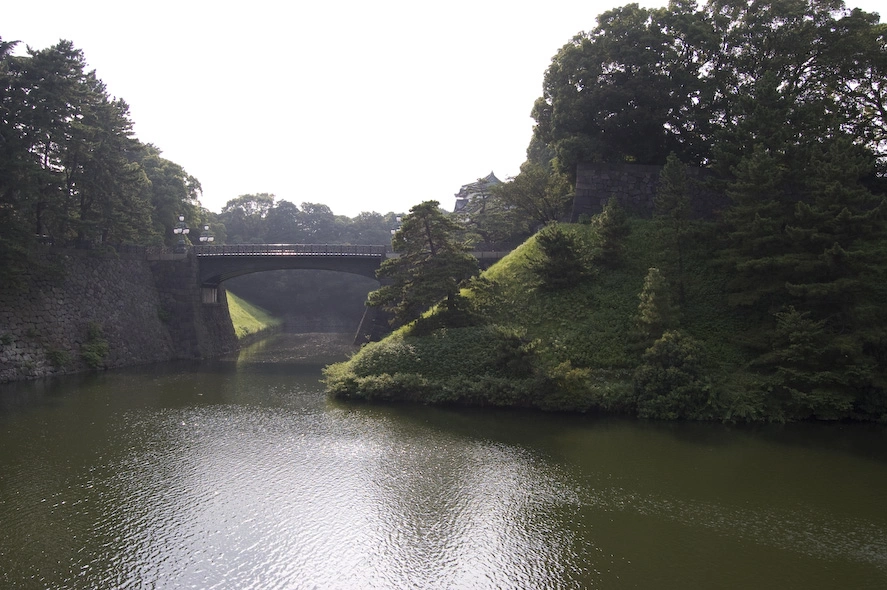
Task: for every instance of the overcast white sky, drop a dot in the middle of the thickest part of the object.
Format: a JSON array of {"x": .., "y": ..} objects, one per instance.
[{"x": 361, "y": 105}]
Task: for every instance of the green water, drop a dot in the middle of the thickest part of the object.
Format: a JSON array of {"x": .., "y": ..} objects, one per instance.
[{"x": 240, "y": 473}]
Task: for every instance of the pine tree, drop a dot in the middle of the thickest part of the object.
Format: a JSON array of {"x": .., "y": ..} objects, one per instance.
[
  {"x": 612, "y": 228},
  {"x": 816, "y": 372},
  {"x": 656, "y": 311},
  {"x": 429, "y": 269},
  {"x": 561, "y": 263}
]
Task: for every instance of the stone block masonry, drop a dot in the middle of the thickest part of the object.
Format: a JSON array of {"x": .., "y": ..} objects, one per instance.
[{"x": 143, "y": 311}]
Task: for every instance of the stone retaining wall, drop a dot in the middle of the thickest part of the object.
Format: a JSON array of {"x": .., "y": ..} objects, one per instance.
[{"x": 144, "y": 312}]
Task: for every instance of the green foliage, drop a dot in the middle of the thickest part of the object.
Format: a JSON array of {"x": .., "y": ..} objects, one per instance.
[
  {"x": 671, "y": 383},
  {"x": 815, "y": 372},
  {"x": 429, "y": 269},
  {"x": 6, "y": 338},
  {"x": 561, "y": 262},
  {"x": 612, "y": 228},
  {"x": 58, "y": 358},
  {"x": 571, "y": 349},
  {"x": 649, "y": 81},
  {"x": 784, "y": 293},
  {"x": 95, "y": 349},
  {"x": 483, "y": 365},
  {"x": 72, "y": 172},
  {"x": 656, "y": 312},
  {"x": 540, "y": 194},
  {"x": 672, "y": 213}
]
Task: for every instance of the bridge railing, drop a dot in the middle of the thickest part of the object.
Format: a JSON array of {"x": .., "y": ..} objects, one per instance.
[{"x": 290, "y": 250}]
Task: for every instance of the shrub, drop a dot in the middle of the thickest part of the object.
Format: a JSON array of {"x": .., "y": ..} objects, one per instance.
[
  {"x": 656, "y": 312},
  {"x": 670, "y": 384},
  {"x": 562, "y": 261},
  {"x": 58, "y": 358},
  {"x": 95, "y": 349},
  {"x": 612, "y": 227}
]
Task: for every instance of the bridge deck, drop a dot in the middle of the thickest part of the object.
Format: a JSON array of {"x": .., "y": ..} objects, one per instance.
[
  {"x": 217, "y": 264},
  {"x": 290, "y": 250}
]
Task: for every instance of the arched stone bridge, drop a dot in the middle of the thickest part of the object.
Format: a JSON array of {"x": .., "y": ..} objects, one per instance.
[
  {"x": 220, "y": 263},
  {"x": 216, "y": 264}
]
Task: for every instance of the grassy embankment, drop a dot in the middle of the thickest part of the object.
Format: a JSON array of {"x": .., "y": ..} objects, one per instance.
[
  {"x": 249, "y": 319},
  {"x": 575, "y": 349}
]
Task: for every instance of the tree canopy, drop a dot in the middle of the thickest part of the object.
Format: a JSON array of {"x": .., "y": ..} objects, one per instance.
[
  {"x": 430, "y": 267},
  {"x": 646, "y": 82},
  {"x": 72, "y": 171}
]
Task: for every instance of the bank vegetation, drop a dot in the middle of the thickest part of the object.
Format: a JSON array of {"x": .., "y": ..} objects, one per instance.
[{"x": 768, "y": 307}]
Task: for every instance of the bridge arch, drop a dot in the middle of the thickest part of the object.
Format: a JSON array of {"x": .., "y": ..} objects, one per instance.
[
  {"x": 216, "y": 264},
  {"x": 220, "y": 263}
]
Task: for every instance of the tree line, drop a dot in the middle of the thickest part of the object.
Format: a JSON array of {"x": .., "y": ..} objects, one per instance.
[
  {"x": 72, "y": 171},
  {"x": 73, "y": 174}
]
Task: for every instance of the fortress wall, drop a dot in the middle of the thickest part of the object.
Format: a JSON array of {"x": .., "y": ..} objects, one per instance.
[{"x": 145, "y": 311}]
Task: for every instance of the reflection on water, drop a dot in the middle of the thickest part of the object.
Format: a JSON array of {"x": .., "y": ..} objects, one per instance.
[{"x": 239, "y": 473}]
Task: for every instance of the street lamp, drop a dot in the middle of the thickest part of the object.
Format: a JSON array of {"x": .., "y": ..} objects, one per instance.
[
  {"x": 206, "y": 237},
  {"x": 181, "y": 230},
  {"x": 397, "y": 220}
]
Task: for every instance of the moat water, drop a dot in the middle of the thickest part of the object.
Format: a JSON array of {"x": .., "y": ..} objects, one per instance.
[{"x": 240, "y": 473}]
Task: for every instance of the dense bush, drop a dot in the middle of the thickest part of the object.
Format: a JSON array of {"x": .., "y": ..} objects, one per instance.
[
  {"x": 95, "y": 349},
  {"x": 482, "y": 365},
  {"x": 670, "y": 382},
  {"x": 561, "y": 262}
]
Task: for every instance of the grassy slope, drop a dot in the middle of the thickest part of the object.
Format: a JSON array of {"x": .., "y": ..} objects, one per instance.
[
  {"x": 575, "y": 350},
  {"x": 247, "y": 318}
]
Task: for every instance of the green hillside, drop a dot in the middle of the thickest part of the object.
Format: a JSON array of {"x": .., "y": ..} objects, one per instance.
[
  {"x": 587, "y": 347},
  {"x": 572, "y": 349},
  {"x": 247, "y": 318}
]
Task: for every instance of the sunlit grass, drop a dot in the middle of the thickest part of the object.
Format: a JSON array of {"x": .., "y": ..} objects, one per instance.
[{"x": 248, "y": 318}]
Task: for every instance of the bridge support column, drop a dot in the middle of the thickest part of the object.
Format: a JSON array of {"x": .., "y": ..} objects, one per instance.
[{"x": 196, "y": 330}]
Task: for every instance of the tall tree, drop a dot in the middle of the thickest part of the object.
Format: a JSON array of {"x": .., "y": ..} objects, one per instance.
[
  {"x": 626, "y": 91},
  {"x": 103, "y": 178},
  {"x": 172, "y": 192},
  {"x": 244, "y": 217},
  {"x": 371, "y": 228},
  {"x": 283, "y": 224},
  {"x": 646, "y": 82},
  {"x": 320, "y": 224},
  {"x": 17, "y": 165},
  {"x": 429, "y": 269},
  {"x": 70, "y": 157}
]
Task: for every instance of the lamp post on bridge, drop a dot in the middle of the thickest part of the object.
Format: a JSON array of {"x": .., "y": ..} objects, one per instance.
[
  {"x": 397, "y": 220},
  {"x": 206, "y": 237},
  {"x": 181, "y": 230}
]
